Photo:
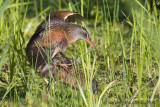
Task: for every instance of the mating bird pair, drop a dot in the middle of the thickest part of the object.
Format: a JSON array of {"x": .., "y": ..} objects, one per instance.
[{"x": 53, "y": 35}]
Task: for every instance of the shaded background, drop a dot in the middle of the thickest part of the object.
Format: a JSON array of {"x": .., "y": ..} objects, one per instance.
[{"x": 126, "y": 34}]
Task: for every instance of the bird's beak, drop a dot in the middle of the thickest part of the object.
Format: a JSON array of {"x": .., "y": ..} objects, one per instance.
[{"x": 89, "y": 41}]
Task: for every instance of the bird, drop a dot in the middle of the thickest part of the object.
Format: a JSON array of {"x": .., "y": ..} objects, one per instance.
[{"x": 53, "y": 35}]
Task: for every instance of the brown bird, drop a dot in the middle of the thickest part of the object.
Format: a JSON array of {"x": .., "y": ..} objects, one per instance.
[{"x": 52, "y": 35}]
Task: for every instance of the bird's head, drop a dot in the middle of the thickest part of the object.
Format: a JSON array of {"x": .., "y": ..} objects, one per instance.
[{"x": 81, "y": 33}]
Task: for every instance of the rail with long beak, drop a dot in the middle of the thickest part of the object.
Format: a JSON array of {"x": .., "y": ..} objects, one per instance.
[{"x": 89, "y": 41}]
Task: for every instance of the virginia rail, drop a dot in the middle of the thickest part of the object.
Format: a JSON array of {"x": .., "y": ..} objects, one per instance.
[{"x": 52, "y": 35}]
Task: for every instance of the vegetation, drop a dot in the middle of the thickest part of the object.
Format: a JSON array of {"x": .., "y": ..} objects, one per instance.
[{"x": 125, "y": 63}]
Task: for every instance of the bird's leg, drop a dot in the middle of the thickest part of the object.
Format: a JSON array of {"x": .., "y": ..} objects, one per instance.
[
  {"x": 63, "y": 56},
  {"x": 64, "y": 62}
]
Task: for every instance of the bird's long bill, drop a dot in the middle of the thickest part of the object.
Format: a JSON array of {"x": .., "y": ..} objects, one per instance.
[{"x": 89, "y": 41}]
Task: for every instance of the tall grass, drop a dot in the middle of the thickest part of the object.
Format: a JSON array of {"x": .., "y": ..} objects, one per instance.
[{"x": 125, "y": 63}]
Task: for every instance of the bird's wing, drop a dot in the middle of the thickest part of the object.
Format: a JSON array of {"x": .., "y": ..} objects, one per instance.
[
  {"x": 46, "y": 45},
  {"x": 67, "y": 16}
]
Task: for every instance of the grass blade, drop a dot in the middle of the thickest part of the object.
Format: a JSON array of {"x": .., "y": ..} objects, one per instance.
[
  {"x": 109, "y": 85},
  {"x": 6, "y": 48},
  {"x": 3, "y": 7}
]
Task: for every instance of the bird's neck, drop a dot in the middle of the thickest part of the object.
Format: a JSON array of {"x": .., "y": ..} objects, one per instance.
[
  {"x": 72, "y": 34},
  {"x": 71, "y": 39}
]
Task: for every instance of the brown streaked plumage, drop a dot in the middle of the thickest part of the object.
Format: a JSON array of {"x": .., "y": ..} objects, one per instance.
[
  {"x": 52, "y": 35},
  {"x": 68, "y": 16}
]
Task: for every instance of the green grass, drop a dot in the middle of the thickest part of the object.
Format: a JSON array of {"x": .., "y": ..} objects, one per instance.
[{"x": 125, "y": 63}]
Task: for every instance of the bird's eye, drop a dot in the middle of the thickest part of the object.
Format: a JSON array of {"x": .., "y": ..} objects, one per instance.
[{"x": 85, "y": 34}]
